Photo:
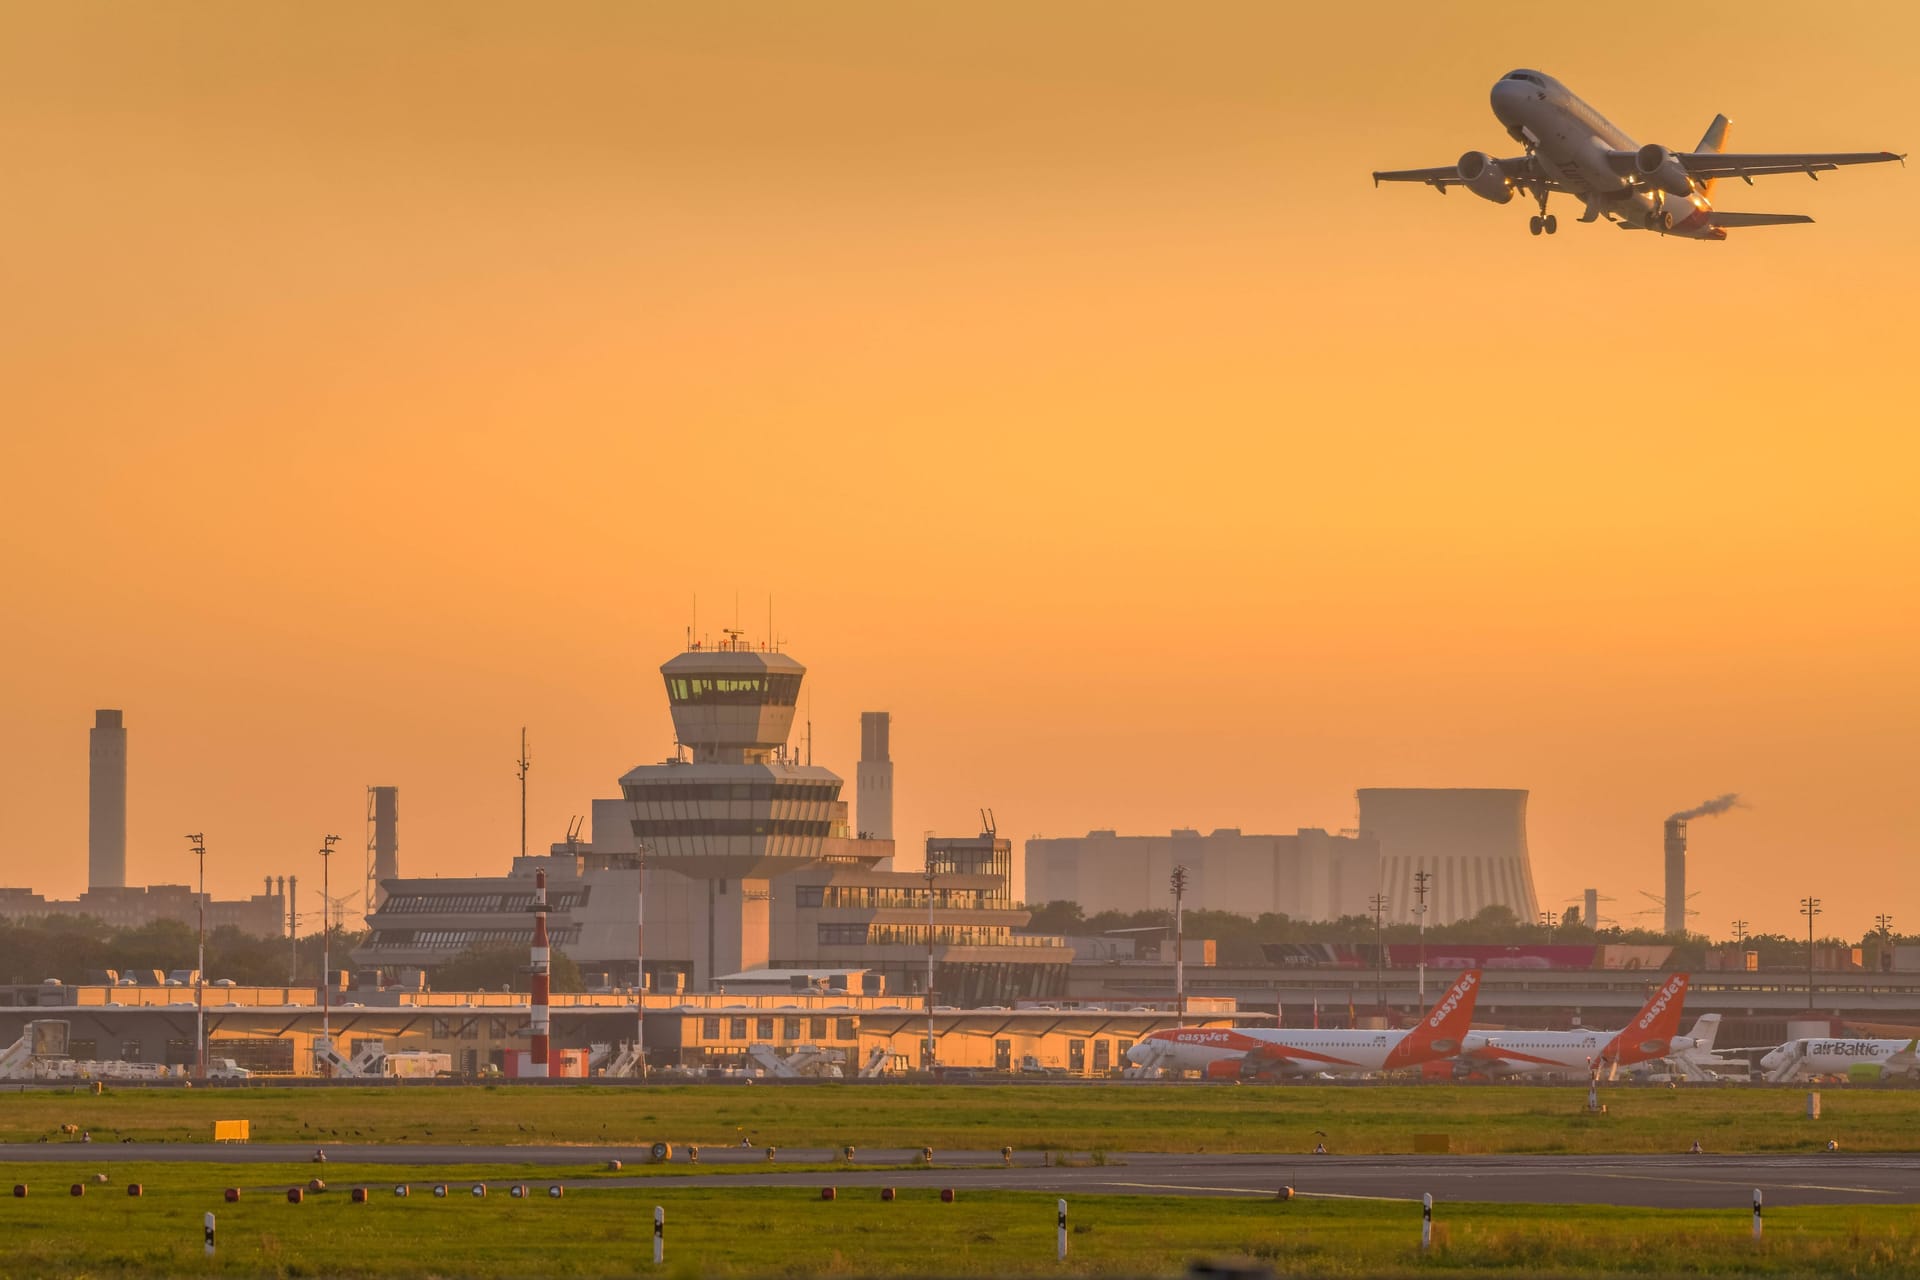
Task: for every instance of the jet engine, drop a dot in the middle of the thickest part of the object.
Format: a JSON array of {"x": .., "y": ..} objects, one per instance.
[
  {"x": 1482, "y": 175},
  {"x": 1663, "y": 169}
]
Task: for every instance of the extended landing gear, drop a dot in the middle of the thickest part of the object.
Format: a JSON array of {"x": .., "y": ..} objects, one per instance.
[{"x": 1548, "y": 224}]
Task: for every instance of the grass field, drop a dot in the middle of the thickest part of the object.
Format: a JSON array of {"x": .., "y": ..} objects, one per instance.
[
  {"x": 1379, "y": 1119},
  {"x": 605, "y": 1231}
]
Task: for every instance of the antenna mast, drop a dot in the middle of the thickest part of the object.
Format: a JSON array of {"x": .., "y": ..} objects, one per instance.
[{"x": 525, "y": 763}]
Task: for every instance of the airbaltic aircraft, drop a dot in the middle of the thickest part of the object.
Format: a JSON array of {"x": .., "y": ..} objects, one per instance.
[
  {"x": 1571, "y": 147},
  {"x": 1837, "y": 1056},
  {"x": 1650, "y": 1035},
  {"x": 1228, "y": 1053}
]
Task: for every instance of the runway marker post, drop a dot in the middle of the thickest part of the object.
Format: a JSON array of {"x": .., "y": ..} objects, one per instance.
[
  {"x": 1426, "y": 1222},
  {"x": 207, "y": 1222},
  {"x": 659, "y": 1234},
  {"x": 1756, "y": 1213},
  {"x": 1061, "y": 1207}
]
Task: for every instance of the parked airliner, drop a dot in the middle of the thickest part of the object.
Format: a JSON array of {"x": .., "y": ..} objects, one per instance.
[
  {"x": 1838, "y": 1056},
  {"x": 1230, "y": 1053},
  {"x": 1651, "y": 1034},
  {"x": 1571, "y": 147}
]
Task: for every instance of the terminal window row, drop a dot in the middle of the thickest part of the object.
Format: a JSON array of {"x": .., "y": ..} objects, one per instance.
[
  {"x": 461, "y": 903},
  {"x": 467, "y": 937},
  {"x": 861, "y": 895},
  {"x": 854, "y": 935},
  {"x": 764, "y": 791},
  {"x": 762, "y": 1028},
  {"x": 659, "y": 828},
  {"x": 768, "y": 690}
]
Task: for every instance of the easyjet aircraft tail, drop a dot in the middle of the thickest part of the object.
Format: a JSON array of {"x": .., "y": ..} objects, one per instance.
[
  {"x": 1650, "y": 1034},
  {"x": 1445, "y": 1026}
]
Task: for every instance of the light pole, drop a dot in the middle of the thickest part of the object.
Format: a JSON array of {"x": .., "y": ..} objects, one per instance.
[
  {"x": 199, "y": 843},
  {"x": 1420, "y": 879},
  {"x": 326, "y": 929},
  {"x": 1179, "y": 882},
  {"x": 640, "y": 971},
  {"x": 1809, "y": 907},
  {"x": 1885, "y": 959},
  {"x": 1379, "y": 904},
  {"x": 1546, "y": 922},
  {"x": 931, "y": 1057}
]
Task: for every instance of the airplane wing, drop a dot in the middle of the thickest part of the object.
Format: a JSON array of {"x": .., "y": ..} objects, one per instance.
[
  {"x": 1516, "y": 168},
  {"x": 1905, "y": 1059},
  {"x": 1721, "y": 218},
  {"x": 1747, "y": 166}
]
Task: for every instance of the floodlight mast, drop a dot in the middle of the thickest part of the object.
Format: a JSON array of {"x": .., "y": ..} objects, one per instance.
[{"x": 199, "y": 850}]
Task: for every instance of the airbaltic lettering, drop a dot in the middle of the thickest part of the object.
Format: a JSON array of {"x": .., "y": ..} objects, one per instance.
[
  {"x": 1659, "y": 1006},
  {"x": 1452, "y": 1002},
  {"x": 1845, "y": 1048}
]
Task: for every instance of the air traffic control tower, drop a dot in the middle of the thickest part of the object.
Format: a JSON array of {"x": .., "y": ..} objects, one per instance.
[{"x": 742, "y": 809}]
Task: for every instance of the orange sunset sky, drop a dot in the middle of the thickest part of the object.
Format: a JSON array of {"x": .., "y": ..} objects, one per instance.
[{"x": 377, "y": 379}]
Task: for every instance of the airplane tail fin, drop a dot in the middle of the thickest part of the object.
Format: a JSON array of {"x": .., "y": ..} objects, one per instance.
[
  {"x": 1705, "y": 1031},
  {"x": 1714, "y": 140},
  {"x": 1445, "y": 1026},
  {"x": 1650, "y": 1034}
]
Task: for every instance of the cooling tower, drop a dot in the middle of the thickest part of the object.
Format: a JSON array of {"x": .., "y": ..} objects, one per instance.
[{"x": 1471, "y": 842}]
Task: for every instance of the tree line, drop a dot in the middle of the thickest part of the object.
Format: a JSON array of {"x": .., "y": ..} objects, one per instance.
[{"x": 1239, "y": 938}]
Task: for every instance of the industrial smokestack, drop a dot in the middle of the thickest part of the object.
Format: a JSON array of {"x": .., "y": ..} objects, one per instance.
[
  {"x": 542, "y": 954},
  {"x": 1676, "y": 900},
  {"x": 1676, "y": 851},
  {"x": 384, "y": 804},
  {"x": 107, "y": 802}
]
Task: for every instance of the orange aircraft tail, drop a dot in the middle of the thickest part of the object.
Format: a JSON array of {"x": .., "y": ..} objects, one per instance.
[
  {"x": 1652, "y": 1030},
  {"x": 1445, "y": 1026}
]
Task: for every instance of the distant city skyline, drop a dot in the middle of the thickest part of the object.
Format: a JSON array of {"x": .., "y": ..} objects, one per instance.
[{"x": 1064, "y": 382}]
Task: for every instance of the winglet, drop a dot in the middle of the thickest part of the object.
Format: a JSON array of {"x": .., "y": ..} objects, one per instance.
[{"x": 1441, "y": 1031}]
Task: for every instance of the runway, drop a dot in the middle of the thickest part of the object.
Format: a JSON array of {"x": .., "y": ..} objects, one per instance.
[{"x": 1656, "y": 1181}]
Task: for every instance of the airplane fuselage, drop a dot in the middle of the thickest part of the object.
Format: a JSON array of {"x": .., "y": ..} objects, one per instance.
[
  {"x": 1570, "y": 142},
  {"x": 1835, "y": 1056},
  {"x": 1236, "y": 1051}
]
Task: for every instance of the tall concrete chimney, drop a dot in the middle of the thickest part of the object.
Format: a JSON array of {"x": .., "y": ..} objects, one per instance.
[
  {"x": 107, "y": 802},
  {"x": 1676, "y": 903},
  {"x": 386, "y": 839},
  {"x": 873, "y": 783}
]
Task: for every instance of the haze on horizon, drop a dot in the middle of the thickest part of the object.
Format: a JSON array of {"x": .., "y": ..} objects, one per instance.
[{"x": 381, "y": 380}]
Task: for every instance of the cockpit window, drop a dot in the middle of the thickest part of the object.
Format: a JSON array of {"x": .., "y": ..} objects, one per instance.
[{"x": 1528, "y": 76}]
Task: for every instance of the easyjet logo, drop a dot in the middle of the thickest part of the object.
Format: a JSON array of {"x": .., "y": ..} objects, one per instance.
[
  {"x": 1202, "y": 1037},
  {"x": 1443, "y": 1010},
  {"x": 1660, "y": 1002}
]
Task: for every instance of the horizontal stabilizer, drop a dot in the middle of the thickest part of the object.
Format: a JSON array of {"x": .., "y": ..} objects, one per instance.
[{"x": 1757, "y": 219}]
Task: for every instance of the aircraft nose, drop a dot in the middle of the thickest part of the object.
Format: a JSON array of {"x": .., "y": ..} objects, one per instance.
[{"x": 1138, "y": 1053}]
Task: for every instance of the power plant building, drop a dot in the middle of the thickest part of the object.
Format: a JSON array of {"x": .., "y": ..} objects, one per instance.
[
  {"x": 1309, "y": 875},
  {"x": 1470, "y": 842}
]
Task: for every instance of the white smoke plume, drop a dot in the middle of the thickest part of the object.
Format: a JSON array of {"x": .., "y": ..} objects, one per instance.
[{"x": 1719, "y": 804}]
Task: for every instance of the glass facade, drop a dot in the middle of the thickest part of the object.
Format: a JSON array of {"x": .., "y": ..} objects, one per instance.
[
  {"x": 768, "y": 689},
  {"x": 765, "y": 791}
]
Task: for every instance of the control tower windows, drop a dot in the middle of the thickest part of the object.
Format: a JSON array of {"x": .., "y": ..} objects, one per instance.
[{"x": 773, "y": 689}]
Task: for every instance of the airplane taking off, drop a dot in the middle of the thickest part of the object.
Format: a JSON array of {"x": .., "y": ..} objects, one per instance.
[
  {"x": 1651, "y": 1034},
  {"x": 1571, "y": 147},
  {"x": 1230, "y": 1053}
]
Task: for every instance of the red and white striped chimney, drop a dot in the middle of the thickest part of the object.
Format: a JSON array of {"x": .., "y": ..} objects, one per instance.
[{"x": 537, "y": 1069}]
